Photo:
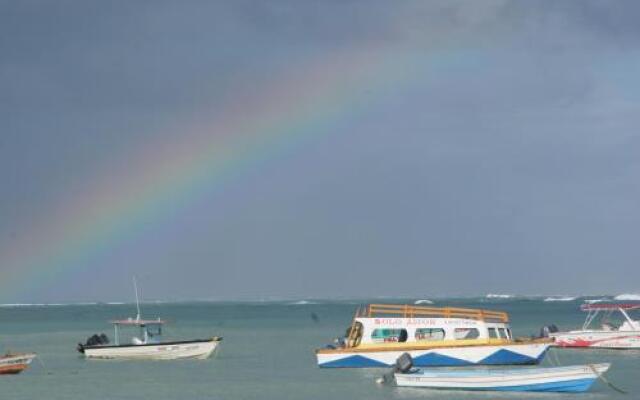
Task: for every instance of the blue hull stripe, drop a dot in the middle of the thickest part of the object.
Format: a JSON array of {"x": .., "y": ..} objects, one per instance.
[
  {"x": 354, "y": 362},
  {"x": 572, "y": 386},
  {"x": 500, "y": 357},
  {"x": 506, "y": 357},
  {"x": 432, "y": 359}
]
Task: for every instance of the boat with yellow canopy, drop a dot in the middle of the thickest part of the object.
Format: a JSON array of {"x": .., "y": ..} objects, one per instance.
[{"x": 433, "y": 336}]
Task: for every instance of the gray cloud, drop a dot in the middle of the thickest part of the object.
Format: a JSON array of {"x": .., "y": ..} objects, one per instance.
[{"x": 508, "y": 163}]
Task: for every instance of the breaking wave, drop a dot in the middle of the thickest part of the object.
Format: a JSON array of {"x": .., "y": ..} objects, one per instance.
[
  {"x": 302, "y": 303},
  {"x": 423, "y": 301},
  {"x": 8, "y": 305},
  {"x": 628, "y": 297},
  {"x": 499, "y": 296},
  {"x": 560, "y": 298},
  {"x": 593, "y": 301}
]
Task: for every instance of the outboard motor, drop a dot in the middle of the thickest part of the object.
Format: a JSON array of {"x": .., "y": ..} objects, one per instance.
[
  {"x": 104, "y": 339},
  {"x": 404, "y": 363},
  {"x": 547, "y": 330},
  {"x": 93, "y": 340}
]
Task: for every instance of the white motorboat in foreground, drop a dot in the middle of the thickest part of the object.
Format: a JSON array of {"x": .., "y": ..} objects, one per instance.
[
  {"x": 600, "y": 331},
  {"x": 148, "y": 345},
  {"x": 576, "y": 378}
]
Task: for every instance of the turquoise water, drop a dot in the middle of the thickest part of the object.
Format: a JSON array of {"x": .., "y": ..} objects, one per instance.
[{"x": 267, "y": 353}]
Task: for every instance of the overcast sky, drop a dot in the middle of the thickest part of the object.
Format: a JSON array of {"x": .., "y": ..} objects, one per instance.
[{"x": 509, "y": 161}]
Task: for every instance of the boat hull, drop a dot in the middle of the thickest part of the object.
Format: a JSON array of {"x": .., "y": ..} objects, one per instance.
[
  {"x": 506, "y": 354},
  {"x": 16, "y": 363},
  {"x": 598, "y": 339},
  {"x": 560, "y": 379},
  {"x": 193, "y": 349}
]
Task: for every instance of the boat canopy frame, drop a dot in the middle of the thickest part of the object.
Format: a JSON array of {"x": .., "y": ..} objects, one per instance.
[
  {"x": 143, "y": 324},
  {"x": 593, "y": 310},
  {"x": 409, "y": 311}
]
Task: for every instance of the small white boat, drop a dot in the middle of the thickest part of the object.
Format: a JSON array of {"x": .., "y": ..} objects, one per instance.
[
  {"x": 599, "y": 330},
  {"x": 577, "y": 378},
  {"x": 15, "y": 363},
  {"x": 148, "y": 345}
]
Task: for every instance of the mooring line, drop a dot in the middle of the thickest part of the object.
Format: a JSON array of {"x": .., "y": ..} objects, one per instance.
[
  {"x": 605, "y": 380},
  {"x": 46, "y": 370}
]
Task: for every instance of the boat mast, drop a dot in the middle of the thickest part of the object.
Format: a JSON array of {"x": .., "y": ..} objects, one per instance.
[{"x": 135, "y": 287}]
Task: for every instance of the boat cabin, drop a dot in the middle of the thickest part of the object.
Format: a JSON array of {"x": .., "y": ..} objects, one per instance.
[
  {"x": 388, "y": 324},
  {"x": 150, "y": 330},
  {"x": 602, "y": 315}
]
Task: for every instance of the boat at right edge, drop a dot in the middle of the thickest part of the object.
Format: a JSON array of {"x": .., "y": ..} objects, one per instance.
[{"x": 599, "y": 330}]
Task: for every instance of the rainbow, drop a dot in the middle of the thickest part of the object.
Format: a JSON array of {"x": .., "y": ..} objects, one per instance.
[{"x": 167, "y": 175}]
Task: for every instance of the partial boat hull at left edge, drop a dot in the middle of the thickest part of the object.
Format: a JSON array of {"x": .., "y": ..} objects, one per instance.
[{"x": 15, "y": 363}]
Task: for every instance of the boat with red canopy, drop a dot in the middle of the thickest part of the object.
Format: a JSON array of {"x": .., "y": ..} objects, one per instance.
[{"x": 607, "y": 326}]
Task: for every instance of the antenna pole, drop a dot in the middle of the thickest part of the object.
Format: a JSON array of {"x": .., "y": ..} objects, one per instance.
[{"x": 135, "y": 287}]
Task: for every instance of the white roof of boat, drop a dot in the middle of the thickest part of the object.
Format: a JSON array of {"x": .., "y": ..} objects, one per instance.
[{"x": 138, "y": 322}]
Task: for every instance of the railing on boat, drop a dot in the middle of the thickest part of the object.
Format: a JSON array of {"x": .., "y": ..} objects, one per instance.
[{"x": 408, "y": 311}]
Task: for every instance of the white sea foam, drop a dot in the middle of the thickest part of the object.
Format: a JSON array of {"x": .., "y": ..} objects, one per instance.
[
  {"x": 423, "y": 301},
  {"x": 302, "y": 303},
  {"x": 560, "y": 298},
  {"x": 628, "y": 297},
  {"x": 8, "y": 305},
  {"x": 33, "y": 305},
  {"x": 593, "y": 301},
  {"x": 499, "y": 296}
]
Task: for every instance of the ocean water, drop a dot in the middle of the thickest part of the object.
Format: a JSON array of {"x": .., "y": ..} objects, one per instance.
[{"x": 267, "y": 353}]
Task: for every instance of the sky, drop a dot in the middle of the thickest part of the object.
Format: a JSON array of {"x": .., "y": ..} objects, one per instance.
[{"x": 240, "y": 149}]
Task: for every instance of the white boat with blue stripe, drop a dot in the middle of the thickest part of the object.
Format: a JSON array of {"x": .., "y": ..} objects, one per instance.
[
  {"x": 574, "y": 379},
  {"x": 433, "y": 336}
]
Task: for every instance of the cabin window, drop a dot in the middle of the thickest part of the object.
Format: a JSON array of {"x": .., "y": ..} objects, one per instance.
[
  {"x": 153, "y": 330},
  {"x": 466, "y": 333},
  {"x": 429, "y": 334},
  {"x": 509, "y": 336},
  {"x": 503, "y": 333},
  {"x": 493, "y": 334},
  {"x": 389, "y": 335}
]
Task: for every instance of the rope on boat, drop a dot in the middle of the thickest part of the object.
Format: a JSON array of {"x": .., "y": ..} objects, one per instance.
[
  {"x": 385, "y": 378},
  {"x": 605, "y": 380},
  {"x": 555, "y": 359},
  {"x": 43, "y": 366}
]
